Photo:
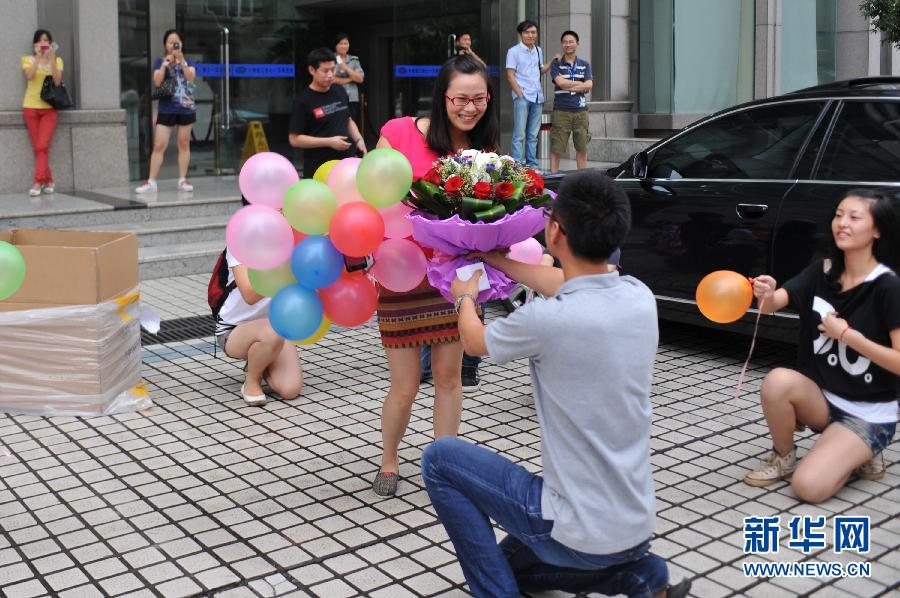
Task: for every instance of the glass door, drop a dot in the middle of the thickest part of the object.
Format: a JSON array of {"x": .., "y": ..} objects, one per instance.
[
  {"x": 425, "y": 35},
  {"x": 247, "y": 62}
]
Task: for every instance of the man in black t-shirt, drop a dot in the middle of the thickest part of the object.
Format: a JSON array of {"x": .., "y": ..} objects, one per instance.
[{"x": 320, "y": 122}]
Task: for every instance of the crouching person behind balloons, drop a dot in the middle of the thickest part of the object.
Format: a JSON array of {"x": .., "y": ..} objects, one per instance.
[{"x": 243, "y": 331}]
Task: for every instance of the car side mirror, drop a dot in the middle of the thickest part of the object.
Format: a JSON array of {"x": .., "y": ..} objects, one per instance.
[{"x": 639, "y": 165}]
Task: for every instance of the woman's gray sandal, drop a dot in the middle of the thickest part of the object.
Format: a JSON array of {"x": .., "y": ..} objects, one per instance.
[{"x": 385, "y": 483}]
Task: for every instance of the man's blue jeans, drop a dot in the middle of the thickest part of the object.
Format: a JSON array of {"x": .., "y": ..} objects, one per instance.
[
  {"x": 526, "y": 123},
  {"x": 470, "y": 485}
]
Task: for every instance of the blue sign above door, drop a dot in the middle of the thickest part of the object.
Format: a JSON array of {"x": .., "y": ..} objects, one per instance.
[
  {"x": 246, "y": 70},
  {"x": 430, "y": 70}
]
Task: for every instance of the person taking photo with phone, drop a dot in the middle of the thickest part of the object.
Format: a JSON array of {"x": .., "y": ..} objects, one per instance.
[
  {"x": 176, "y": 109},
  {"x": 464, "y": 47},
  {"x": 321, "y": 124},
  {"x": 40, "y": 117}
]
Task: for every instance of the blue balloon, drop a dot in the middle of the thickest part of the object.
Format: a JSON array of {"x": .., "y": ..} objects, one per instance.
[
  {"x": 316, "y": 263},
  {"x": 295, "y": 312}
]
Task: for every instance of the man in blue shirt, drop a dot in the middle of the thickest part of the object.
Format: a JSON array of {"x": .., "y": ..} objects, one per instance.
[
  {"x": 585, "y": 524},
  {"x": 524, "y": 67},
  {"x": 572, "y": 81}
]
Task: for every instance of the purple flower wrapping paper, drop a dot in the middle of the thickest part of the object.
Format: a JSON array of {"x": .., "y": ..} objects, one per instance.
[{"x": 454, "y": 237}]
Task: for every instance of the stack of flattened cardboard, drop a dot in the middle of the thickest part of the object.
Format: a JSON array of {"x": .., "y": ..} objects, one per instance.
[{"x": 70, "y": 338}]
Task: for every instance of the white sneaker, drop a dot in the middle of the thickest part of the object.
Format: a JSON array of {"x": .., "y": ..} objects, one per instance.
[
  {"x": 146, "y": 187},
  {"x": 774, "y": 467},
  {"x": 35, "y": 191},
  {"x": 873, "y": 469},
  {"x": 185, "y": 185},
  {"x": 49, "y": 188}
]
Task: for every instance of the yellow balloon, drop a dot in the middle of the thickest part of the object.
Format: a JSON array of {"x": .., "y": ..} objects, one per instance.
[
  {"x": 316, "y": 336},
  {"x": 323, "y": 170}
]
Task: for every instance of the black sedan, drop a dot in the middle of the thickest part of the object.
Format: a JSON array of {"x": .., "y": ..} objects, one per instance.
[{"x": 752, "y": 189}]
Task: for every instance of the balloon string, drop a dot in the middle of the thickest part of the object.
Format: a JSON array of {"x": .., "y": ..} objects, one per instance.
[{"x": 737, "y": 391}]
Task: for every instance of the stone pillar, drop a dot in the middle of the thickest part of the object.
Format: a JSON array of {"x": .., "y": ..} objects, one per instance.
[
  {"x": 620, "y": 52},
  {"x": 16, "y": 27},
  {"x": 559, "y": 16},
  {"x": 767, "y": 46},
  {"x": 890, "y": 60},
  {"x": 89, "y": 147},
  {"x": 858, "y": 48}
]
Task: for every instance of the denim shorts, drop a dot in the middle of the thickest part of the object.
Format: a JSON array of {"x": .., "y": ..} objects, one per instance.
[
  {"x": 222, "y": 339},
  {"x": 877, "y": 436}
]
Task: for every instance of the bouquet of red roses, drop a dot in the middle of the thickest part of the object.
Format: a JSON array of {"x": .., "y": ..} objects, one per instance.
[
  {"x": 475, "y": 201},
  {"x": 478, "y": 186}
]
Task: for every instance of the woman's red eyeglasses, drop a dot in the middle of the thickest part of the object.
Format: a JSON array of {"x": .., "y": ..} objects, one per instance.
[{"x": 462, "y": 102}]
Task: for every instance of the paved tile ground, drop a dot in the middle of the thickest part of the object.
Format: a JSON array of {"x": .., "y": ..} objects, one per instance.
[{"x": 202, "y": 495}]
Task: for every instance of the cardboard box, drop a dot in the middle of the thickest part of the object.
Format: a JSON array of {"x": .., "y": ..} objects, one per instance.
[
  {"x": 65, "y": 267},
  {"x": 70, "y": 339}
]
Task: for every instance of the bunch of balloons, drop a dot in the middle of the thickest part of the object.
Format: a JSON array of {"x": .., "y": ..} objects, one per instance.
[
  {"x": 724, "y": 296},
  {"x": 12, "y": 269},
  {"x": 295, "y": 234}
]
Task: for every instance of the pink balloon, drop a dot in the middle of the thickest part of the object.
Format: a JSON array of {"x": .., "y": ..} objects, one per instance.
[
  {"x": 259, "y": 237},
  {"x": 342, "y": 180},
  {"x": 528, "y": 251},
  {"x": 396, "y": 224},
  {"x": 399, "y": 265},
  {"x": 265, "y": 177}
]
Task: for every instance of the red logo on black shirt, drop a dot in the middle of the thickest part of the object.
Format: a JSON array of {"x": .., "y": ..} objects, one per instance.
[{"x": 319, "y": 112}]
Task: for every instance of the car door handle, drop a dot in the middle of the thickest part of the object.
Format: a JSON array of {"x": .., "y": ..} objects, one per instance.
[
  {"x": 751, "y": 210},
  {"x": 656, "y": 188}
]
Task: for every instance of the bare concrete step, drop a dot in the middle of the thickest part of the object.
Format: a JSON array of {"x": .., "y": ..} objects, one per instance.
[
  {"x": 166, "y": 233},
  {"x": 617, "y": 149},
  {"x": 87, "y": 218},
  {"x": 178, "y": 260}
]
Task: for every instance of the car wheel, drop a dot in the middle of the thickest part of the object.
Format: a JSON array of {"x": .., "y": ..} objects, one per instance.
[{"x": 516, "y": 298}]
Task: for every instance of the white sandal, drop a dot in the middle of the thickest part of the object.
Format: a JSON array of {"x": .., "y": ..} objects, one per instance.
[{"x": 253, "y": 400}]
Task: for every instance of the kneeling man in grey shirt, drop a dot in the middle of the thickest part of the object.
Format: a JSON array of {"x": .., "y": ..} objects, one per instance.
[{"x": 585, "y": 525}]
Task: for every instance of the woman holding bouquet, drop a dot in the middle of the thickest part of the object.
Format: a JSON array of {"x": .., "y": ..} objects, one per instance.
[{"x": 462, "y": 117}]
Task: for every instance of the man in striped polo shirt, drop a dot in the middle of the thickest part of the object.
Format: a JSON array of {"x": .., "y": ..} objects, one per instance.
[{"x": 572, "y": 82}]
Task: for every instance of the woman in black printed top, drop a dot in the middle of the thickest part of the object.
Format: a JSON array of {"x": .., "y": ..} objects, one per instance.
[{"x": 845, "y": 384}]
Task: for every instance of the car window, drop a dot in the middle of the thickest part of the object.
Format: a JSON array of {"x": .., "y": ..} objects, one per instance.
[
  {"x": 757, "y": 143},
  {"x": 865, "y": 144}
]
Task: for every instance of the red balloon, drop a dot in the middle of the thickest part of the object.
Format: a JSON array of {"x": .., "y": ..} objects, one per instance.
[
  {"x": 356, "y": 229},
  {"x": 351, "y": 300},
  {"x": 298, "y": 236}
]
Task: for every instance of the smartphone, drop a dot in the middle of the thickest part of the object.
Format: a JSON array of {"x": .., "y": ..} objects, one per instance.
[{"x": 353, "y": 264}]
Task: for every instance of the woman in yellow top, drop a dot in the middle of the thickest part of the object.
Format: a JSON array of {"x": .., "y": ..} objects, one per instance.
[{"x": 40, "y": 117}]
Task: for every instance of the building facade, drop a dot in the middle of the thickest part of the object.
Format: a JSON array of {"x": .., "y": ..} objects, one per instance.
[{"x": 658, "y": 65}]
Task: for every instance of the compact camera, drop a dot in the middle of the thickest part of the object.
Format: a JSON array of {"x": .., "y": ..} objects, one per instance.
[{"x": 176, "y": 46}]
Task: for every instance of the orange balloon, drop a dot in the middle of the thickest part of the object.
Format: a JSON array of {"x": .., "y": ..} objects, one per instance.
[{"x": 724, "y": 296}]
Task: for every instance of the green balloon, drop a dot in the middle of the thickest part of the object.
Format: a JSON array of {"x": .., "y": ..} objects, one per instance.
[
  {"x": 383, "y": 177},
  {"x": 308, "y": 206},
  {"x": 12, "y": 269},
  {"x": 269, "y": 282}
]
